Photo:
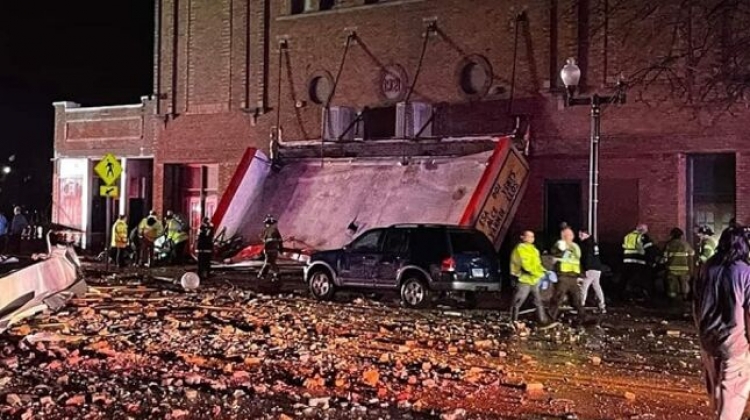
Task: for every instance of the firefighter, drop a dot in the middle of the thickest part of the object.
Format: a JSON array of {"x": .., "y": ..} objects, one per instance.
[
  {"x": 568, "y": 267},
  {"x": 638, "y": 256},
  {"x": 150, "y": 229},
  {"x": 174, "y": 229},
  {"x": 205, "y": 248},
  {"x": 706, "y": 245},
  {"x": 677, "y": 255},
  {"x": 120, "y": 240},
  {"x": 271, "y": 248}
]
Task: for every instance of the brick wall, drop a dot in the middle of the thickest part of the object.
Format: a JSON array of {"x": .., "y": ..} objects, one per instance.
[
  {"x": 217, "y": 76},
  {"x": 90, "y": 132}
]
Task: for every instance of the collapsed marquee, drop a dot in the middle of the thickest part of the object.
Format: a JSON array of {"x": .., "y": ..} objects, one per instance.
[{"x": 324, "y": 204}]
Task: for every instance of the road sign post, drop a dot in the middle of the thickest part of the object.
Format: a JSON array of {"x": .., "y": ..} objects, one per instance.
[{"x": 109, "y": 170}]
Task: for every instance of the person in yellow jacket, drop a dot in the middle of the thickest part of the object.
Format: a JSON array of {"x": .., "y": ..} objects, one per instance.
[
  {"x": 568, "y": 268},
  {"x": 706, "y": 246},
  {"x": 527, "y": 269},
  {"x": 639, "y": 257},
  {"x": 677, "y": 255},
  {"x": 120, "y": 240},
  {"x": 150, "y": 229},
  {"x": 176, "y": 233}
]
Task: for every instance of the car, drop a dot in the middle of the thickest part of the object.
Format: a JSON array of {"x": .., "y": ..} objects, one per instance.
[{"x": 417, "y": 260}]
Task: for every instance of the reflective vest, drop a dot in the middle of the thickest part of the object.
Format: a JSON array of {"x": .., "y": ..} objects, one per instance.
[
  {"x": 707, "y": 249},
  {"x": 120, "y": 234},
  {"x": 677, "y": 255},
  {"x": 633, "y": 248},
  {"x": 526, "y": 264},
  {"x": 570, "y": 261},
  {"x": 175, "y": 232},
  {"x": 150, "y": 233}
]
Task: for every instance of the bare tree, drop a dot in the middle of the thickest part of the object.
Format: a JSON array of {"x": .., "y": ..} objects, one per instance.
[{"x": 696, "y": 52}]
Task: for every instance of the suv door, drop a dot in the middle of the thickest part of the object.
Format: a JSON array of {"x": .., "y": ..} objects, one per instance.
[
  {"x": 360, "y": 257},
  {"x": 392, "y": 257}
]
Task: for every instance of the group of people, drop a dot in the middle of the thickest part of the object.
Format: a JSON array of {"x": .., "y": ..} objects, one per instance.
[
  {"x": 571, "y": 269},
  {"x": 11, "y": 234},
  {"x": 141, "y": 242},
  {"x": 647, "y": 269},
  {"x": 574, "y": 268}
]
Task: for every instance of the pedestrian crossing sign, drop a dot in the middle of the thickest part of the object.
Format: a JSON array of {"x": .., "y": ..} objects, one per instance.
[
  {"x": 109, "y": 191},
  {"x": 108, "y": 169}
]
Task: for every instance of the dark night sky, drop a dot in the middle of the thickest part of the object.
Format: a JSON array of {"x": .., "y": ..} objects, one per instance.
[{"x": 92, "y": 52}]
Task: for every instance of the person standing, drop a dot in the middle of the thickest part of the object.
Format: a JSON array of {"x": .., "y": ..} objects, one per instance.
[
  {"x": 271, "y": 248},
  {"x": 677, "y": 255},
  {"x": 706, "y": 245},
  {"x": 205, "y": 248},
  {"x": 568, "y": 255},
  {"x": 176, "y": 234},
  {"x": 638, "y": 254},
  {"x": 120, "y": 240},
  {"x": 18, "y": 226},
  {"x": 591, "y": 266},
  {"x": 3, "y": 234},
  {"x": 150, "y": 229},
  {"x": 722, "y": 314},
  {"x": 527, "y": 269}
]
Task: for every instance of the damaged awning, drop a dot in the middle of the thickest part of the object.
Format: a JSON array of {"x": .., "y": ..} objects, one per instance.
[
  {"x": 323, "y": 204},
  {"x": 38, "y": 285}
]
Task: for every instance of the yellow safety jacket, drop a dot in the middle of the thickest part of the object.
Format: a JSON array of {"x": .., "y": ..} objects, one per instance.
[
  {"x": 570, "y": 260},
  {"x": 150, "y": 233},
  {"x": 633, "y": 248},
  {"x": 175, "y": 232},
  {"x": 120, "y": 234},
  {"x": 526, "y": 264},
  {"x": 677, "y": 255},
  {"x": 707, "y": 249}
]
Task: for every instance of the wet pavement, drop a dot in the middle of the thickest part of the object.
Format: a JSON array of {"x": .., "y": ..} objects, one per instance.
[{"x": 141, "y": 347}]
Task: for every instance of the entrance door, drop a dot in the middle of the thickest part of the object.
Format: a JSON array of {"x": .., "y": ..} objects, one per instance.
[
  {"x": 193, "y": 207},
  {"x": 711, "y": 190},
  {"x": 563, "y": 202}
]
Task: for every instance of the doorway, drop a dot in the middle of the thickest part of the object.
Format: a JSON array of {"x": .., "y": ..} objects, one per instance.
[
  {"x": 563, "y": 202},
  {"x": 711, "y": 190}
]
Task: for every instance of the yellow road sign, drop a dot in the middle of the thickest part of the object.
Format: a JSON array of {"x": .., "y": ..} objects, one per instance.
[
  {"x": 108, "y": 169},
  {"x": 109, "y": 191}
]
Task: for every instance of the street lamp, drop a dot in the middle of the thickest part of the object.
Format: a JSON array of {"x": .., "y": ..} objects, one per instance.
[
  {"x": 571, "y": 76},
  {"x": 6, "y": 169}
]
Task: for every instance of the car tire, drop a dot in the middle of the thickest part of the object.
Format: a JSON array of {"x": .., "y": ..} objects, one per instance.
[
  {"x": 321, "y": 285},
  {"x": 415, "y": 293}
]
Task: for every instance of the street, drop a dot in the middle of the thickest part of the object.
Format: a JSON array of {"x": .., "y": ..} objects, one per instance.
[{"x": 141, "y": 347}]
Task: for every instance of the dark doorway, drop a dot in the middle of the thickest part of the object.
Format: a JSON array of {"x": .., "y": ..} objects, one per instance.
[
  {"x": 562, "y": 203},
  {"x": 711, "y": 190}
]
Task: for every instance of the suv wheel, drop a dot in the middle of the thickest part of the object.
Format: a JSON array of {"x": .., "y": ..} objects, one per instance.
[
  {"x": 321, "y": 285},
  {"x": 415, "y": 293}
]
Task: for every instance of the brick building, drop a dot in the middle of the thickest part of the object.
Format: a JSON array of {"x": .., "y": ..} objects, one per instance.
[{"x": 228, "y": 72}]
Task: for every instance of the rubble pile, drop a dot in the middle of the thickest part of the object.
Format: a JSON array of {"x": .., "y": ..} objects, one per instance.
[{"x": 147, "y": 349}]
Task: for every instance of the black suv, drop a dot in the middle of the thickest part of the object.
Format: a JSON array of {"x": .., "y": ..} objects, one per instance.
[{"x": 415, "y": 259}]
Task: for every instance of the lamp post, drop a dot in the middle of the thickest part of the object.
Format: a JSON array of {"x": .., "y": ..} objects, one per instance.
[{"x": 571, "y": 76}]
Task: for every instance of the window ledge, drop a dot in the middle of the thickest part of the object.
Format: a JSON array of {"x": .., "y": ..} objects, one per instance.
[{"x": 347, "y": 9}]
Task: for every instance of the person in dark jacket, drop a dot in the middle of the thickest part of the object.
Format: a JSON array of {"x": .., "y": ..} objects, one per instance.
[
  {"x": 205, "y": 248},
  {"x": 722, "y": 314},
  {"x": 591, "y": 267},
  {"x": 271, "y": 248}
]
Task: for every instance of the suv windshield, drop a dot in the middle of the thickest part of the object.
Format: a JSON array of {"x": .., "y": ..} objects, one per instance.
[{"x": 470, "y": 242}]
